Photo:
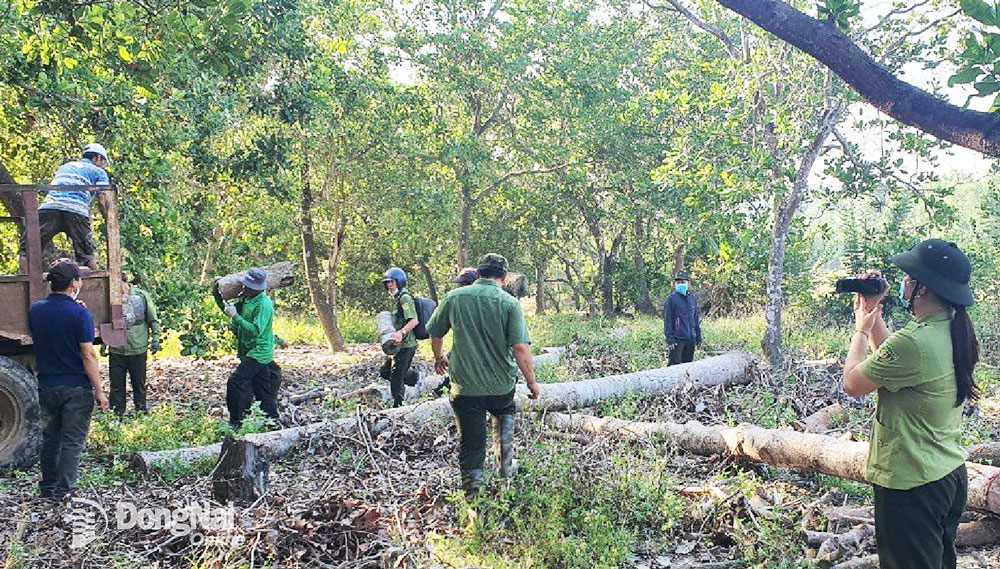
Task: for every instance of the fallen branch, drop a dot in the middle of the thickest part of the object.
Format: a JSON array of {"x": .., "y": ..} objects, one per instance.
[
  {"x": 866, "y": 562},
  {"x": 805, "y": 452},
  {"x": 819, "y": 422},
  {"x": 728, "y": 368}
]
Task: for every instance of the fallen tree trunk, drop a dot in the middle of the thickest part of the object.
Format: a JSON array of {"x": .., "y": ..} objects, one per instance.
[
  {"x": 785, "y": 448},
  {"x": 278, "y": 275},
  {"x": 380, "y": 393},
  {"x": 725, "y": 369},
  {"x": 819, "y": 422}
]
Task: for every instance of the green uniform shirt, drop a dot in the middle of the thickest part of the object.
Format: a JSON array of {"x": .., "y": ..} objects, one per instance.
[
  {"x": 138, "y": 335},
  {"x": 487, "y": 322},
  {"x": 252, "y": 326},
  {"x": 917, "y": 432},
  {"x": 404, "y": 309}
]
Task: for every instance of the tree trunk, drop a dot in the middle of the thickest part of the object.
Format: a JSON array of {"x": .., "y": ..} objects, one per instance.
[
  {"x": 784, "y": 212},
  {"x": 324, "y": 310},
  {"x": 540, "y": 287},
  {"x": 644, "y": 304},
  {"x": 431, "y": 287},
  {"x": 279, "y": 275},
  {"x": 726, "y": 369},
  {"x": 465, "y": 229},
  {"x": 972, "y": 129},
  {"x": 680, "y": 258},
  {"x": 783, "y": 448},
  {"x": 609, "y": 262},
  {"x": 11, "y": 201}
]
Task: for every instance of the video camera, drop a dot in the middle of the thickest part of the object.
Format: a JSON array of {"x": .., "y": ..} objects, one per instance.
[{"x": 864, "y": 287}]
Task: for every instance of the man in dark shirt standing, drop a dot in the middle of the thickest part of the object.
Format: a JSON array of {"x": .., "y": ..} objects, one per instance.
[
  {"x": 682, "y": 321},
  {"x": 69, "y": 379}
]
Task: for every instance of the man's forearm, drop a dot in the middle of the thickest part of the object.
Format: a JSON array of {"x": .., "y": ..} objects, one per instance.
[
  {"x": 410, "y": 326},
  {"x": 93, "y": 370},
  {"x": 437, "y": 345},
  {"x": 522, "y": 355}
]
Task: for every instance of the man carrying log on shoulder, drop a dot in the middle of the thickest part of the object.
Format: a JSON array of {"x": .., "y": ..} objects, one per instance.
[
  {"x": 251, "y": 320},
  {"x": 491, "y": 342}
]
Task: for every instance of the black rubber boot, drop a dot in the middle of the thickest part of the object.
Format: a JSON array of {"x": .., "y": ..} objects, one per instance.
[
  {"x": 472, "y": 481},
  {"x": 503, "y": 445}
]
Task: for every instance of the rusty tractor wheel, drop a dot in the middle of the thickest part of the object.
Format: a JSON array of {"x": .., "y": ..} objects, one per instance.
[{"x": 20, "y": 423}]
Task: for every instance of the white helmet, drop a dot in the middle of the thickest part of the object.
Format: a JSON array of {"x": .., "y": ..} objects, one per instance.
[{"x": 98, "y": 150}]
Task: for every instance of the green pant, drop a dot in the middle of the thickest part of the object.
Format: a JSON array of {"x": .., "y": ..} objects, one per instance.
[
  {"x": 916, "y": 528},
  {"x": 470, "y": 414}
]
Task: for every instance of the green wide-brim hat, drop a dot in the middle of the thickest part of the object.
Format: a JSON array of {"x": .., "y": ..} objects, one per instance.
[{"x": 940, "y": 266}]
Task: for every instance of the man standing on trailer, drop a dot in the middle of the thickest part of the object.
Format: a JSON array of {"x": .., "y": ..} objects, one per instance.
[{"x": 69, "y": 211}]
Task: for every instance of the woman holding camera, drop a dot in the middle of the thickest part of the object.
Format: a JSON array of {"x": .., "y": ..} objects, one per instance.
[{"x": 923, "y": 374}]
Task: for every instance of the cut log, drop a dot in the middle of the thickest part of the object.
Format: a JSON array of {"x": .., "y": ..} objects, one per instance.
[
  {"x": 386, "y": 328},
  {"x": 725, "y": 369},
  {"x": 980, "y": 533},
  {"x": 278, "y": 275},
  {"x": 819, "y": 422},
  {"x": 516, "y": 285},
  {"x": 988, "y": 453},
  {"x": 241, "y": 476},
  {"x": 784, "y": 448}
]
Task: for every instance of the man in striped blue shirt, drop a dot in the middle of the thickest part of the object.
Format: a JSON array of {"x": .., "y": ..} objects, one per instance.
[{"x": 69, "y": 211}]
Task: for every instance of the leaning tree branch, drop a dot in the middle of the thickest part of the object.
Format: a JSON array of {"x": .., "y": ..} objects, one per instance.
[
  {"x": 912, "y": 106},
  {"x": 727, "y": 42}
]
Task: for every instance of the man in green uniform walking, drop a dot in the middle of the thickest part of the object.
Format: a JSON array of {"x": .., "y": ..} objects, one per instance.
[
  {"x": 251, "y": 320},
  {"x": 491, "y": 342},
  {"x": 404, "y": 318},
  {"x": 142, "y": 336}
]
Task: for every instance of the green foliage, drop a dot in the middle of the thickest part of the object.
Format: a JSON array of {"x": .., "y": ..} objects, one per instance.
[
  {"x": 164, "y": 427},
  {"x": 558, "y": 515}
]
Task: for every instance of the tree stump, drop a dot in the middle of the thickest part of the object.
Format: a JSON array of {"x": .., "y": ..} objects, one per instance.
[{"x": 242, "y": 473}]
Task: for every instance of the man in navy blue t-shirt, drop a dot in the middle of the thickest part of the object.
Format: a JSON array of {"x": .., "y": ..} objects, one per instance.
[{"x": 69, "y": 381}]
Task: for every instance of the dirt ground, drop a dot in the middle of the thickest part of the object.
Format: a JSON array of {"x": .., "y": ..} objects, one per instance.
[{"x": 357, "y": 501}]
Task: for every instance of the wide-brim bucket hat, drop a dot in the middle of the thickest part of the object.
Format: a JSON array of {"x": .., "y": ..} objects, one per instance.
[
  {"x": 940, "y": 266},
  {"x": 255, "y": 279}
]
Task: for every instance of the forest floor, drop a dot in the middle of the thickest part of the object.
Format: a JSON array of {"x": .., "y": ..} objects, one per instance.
[{"x": 580, "y": 501}]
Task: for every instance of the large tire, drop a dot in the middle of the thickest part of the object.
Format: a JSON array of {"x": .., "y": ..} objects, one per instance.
[{"x": 20, "y": 421}]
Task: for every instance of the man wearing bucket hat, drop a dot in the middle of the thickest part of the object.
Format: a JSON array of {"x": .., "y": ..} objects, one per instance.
[
  {"x": 923, "y": 374},
  {"x": 69, "y": 211},
  {"x": 490, "y": 343},
  {"x": 257, "y": 376},
  {"x": 681, "y": 321}
]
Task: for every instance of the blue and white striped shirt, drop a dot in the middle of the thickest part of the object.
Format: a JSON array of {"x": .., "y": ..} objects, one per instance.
[{"x": 78, "y": 173}]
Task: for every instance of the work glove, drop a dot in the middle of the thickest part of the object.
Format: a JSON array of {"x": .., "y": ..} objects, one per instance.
[
  {"x": 154, "y": 346},
  {"x": 230, "y": 310}
]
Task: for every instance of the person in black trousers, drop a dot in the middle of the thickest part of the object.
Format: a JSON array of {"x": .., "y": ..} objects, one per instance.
[
  {"x": 69, "y": 380},
  {"x": 682, "y": 321}
]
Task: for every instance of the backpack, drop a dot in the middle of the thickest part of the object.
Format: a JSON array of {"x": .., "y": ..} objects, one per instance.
[{"x": 425, "y": 308}]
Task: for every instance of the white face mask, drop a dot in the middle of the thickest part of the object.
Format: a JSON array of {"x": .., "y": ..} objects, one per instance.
[{"x": 76, "y": 293}]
